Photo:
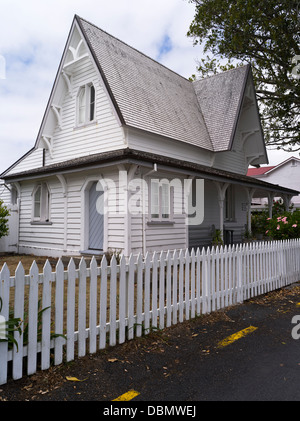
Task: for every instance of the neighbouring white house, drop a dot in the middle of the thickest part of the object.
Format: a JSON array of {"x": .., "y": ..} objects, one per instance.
[
  {"x": 131, "y": 156},
  {"x": 287, "y": 174}
]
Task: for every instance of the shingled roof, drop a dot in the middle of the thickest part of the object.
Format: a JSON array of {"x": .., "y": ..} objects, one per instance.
[
  {"x": 131, "y": 156},
  {"x": 151, "y": 97},
  {"x": 220, "y": 98}
]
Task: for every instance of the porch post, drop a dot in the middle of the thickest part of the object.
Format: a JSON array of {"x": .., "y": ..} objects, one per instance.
[
  {"x": 124, "y": 193},
  {"x": 65, "y": 196},
  {"x": 221, "y": 212},
  {"x": 250, "y": 193},
  {"x": 287, "y": 201},
  {"x": 221, "y": 188},
  {"x": 271, "y": 196}
]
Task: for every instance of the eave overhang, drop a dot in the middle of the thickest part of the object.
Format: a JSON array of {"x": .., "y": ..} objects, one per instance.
[{"x": 132, "y": 156}]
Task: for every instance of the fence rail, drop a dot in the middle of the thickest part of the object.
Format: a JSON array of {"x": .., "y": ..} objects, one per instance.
[{"x": 72, "y": 311}]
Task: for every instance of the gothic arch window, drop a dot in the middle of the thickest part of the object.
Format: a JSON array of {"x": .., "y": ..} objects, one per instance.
[
  {"x": 41, "y": 203},
  {"x": 86, "y": 100}
]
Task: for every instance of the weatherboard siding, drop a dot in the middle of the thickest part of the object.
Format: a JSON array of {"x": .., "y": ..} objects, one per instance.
[
  {"x": 5, "y": 195},
  {"x": 42, "y": 239},
  {"x": 105, "y": 134},
  {"x": 201, "y": 235},
  {"x": 148, "y": 237},
  {"x": 70, "y": 141},
  {"x": 233, "y": 160},
  {"x": 33, "y": 160},
  {"x": 76, "y": 217},
  {"x": 64, "y": 235},
  {"x": 168, "y": 147}
]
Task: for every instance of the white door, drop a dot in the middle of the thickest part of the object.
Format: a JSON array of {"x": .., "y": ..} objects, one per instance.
[{"x": 96, "y": 218}]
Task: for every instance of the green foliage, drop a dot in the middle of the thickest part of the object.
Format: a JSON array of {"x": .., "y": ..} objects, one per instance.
[
  {"x": 259, "y": 222},
  {"x": 283, "y": 227},
  {"x": 12, "y": 325},
  {"x": 265, "y": 34},
  {"x": 217, "y": 239},
  {"x": 16, "y": 325},
  {"x": 279, "y": 208},
  {"x": 4, "y": 214}
]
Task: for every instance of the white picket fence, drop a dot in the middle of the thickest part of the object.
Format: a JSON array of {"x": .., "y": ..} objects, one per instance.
[{"x": 99, "y": 306}]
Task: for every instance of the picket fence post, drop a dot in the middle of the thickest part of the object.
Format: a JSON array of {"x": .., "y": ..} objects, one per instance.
[
  {"x": 59, "y": 312},
  {"x": 4, "y": 294},
  {"x": 33, "y": 319},
  {"x": 103, "y": 303},
  {"x": 122, "y": 300},
  {"x": 147, "y": 281},
  {"x": 19, "y": 313},
  {"x": 71, "y": 310},
  {"x": 93, "y": 306}
]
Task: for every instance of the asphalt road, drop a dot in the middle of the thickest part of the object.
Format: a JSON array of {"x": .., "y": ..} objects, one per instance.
[{"x": 186, "y": 364}]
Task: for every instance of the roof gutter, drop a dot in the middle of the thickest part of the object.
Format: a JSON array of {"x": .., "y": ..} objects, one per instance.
[{"x": 147, "y": 159}]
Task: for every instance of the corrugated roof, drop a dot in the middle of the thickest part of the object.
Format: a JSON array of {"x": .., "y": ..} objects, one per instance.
[
  {"x": 151, "y": 97},
  {"x": 252, "y": 172}
]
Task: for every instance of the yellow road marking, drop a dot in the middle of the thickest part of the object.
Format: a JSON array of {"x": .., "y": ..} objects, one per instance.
[
  {"x": 230, "y": 339},
  {"x": 127, "y": 396}
]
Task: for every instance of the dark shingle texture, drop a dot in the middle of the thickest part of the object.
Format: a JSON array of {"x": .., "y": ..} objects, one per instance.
[
  {"x": 220, "y": 98},
  {"x": 149, "y": 96},
  {"x": 153, "y": 98}
]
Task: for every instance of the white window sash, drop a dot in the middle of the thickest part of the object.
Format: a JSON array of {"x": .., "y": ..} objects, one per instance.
[
  {"x": 161, "y": 201},
  {"x": 86, "y": 104},
  {"x": 41, "y": 198}
]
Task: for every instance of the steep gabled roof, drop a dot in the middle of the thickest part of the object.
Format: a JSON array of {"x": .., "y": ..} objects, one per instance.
[
  {"x": 151, "y": 97},
  {"x": 148, "y": 95},
  {"x": 220, "y": 98}
]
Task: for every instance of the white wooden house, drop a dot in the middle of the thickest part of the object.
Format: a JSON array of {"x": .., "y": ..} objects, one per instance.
[
  {"x": 117, "y": 121},
  {"x": 287, "y": 174}
]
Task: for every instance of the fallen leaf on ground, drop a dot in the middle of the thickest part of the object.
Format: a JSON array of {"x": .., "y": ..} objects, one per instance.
[{"x": 74, "y": 379}]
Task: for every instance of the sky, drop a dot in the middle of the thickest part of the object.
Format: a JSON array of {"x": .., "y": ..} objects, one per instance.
[{"x": 33, "y": 34}]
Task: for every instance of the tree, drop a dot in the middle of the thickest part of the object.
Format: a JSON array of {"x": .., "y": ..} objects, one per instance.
[
  {"x": 4, "y": 214},
  {"x": 265, "y": 34}
]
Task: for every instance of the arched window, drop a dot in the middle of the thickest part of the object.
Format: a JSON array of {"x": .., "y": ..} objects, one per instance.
[
  {"x": 230, "y": 204},
  {"x": 81, "y": 106},
  {"x": 86, "y": 104},
  {"x": 41, "y": 202},
  {"x": 13, "y": 196}
]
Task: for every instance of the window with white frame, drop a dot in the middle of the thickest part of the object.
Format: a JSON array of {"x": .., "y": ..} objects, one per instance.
[
  {"x": 160, "y": 200},
  {"x": 230, "y": 204},
  {"x": 41, "y": 203},
  {"x": 13, "y": 196},
  {"x": 86, "y": 100}
]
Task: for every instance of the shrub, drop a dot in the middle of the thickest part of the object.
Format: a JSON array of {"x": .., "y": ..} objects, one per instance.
[
  {"x": 283, "y": 227},
  {"x": 259, "y": 223},
  {"x": 4, "y": 214}
]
